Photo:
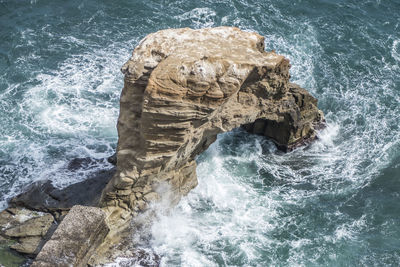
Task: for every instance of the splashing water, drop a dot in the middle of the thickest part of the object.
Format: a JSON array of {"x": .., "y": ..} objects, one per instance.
[{"x": 334, "y": 203}]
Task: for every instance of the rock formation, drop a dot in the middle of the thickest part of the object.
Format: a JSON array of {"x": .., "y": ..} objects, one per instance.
[
  {"x": 33, "y": 216},
  {"x": 182, "y": 88},
  {"x": 43, "y": 196},
  {"x": 72, "y": 244},
  {"x": 25, "y": 229}
]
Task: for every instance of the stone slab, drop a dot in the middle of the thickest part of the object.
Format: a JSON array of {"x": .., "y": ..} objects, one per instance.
[{"x": 78, "y": 235}]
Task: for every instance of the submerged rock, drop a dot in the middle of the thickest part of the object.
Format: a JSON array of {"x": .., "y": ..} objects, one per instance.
[
  {"x": 82, "y": 163},
  {"x": 113, "y": 159},
  {"x": 182, "y": 88},
  {"x": 8, "y": 257}
]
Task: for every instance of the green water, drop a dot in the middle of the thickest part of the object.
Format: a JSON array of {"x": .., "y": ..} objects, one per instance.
[
  {"x": 9, "y": 258},
  {"x": 334, "y": 203}
]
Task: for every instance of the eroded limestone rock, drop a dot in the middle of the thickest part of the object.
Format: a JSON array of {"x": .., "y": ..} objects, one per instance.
[
  {"x": 33, "y": 215},
  {"x": 80, "y": 232},
  {"x": 25, "y": 228},
  {"x": 183, "y": 87}
]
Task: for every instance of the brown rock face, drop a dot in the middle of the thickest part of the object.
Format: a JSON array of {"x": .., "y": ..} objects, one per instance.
[{"x": 182, "y": 88}]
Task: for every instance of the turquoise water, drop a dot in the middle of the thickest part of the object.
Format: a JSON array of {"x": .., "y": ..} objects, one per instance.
[{"x": 334, "y": 203}]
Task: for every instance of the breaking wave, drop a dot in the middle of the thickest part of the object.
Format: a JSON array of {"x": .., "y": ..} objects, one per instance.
[{"x": 334, "y": 202}]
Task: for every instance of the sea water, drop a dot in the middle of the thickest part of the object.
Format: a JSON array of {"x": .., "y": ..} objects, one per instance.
[{"x": 334, "y": 203}]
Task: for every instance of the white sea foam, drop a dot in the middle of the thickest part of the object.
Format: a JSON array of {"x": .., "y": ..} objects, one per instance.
[
  {"x": 396, "y": 50},
  {"x": 236, "y": 211},
  {"x": 253, "y": 205},
  {"x": 69, "y": 111},
  {"x": 199, "y": 17}
]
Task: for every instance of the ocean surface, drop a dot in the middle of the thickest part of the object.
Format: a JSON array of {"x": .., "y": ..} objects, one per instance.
[{"x": 334, "y": 203}]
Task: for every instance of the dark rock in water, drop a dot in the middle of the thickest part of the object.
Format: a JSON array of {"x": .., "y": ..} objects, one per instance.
[
  {"x": 81, "y": 231},
  {"x": 113, "y": 159},
  {"x": 82, "y": 163},
  {"x": 37, "y": 197},
  {"x": 85, "y": 193},
  {"x": 140, "y": 257},
  {"x": 34, "y": 215},
  {"x": 43, "y": 196},
  {"x": 146, "y": 258}
]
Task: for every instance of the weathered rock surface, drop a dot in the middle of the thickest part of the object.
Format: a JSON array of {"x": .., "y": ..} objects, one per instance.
[
  {"x": 182, "y": 88},
  {"x": 80, "y": 232},
  {"x": 33, "y": 216},
  {"x": 26, "y": 228}
]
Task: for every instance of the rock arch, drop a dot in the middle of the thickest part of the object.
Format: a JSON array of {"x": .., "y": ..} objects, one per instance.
[{"x": 183, "y": 87}]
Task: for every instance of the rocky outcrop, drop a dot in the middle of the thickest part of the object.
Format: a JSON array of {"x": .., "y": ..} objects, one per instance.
[
  {"x": 43, "y": 196},
  {"x": 72, "y": 244},
  {"x": 182, "y": 88},
  {"x": 25, "y": 230},
  {"x": 34, "y": 215}
]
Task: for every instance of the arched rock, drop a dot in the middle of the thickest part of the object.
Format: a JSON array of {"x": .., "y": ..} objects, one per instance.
[{"x": 182, "y": 88}]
